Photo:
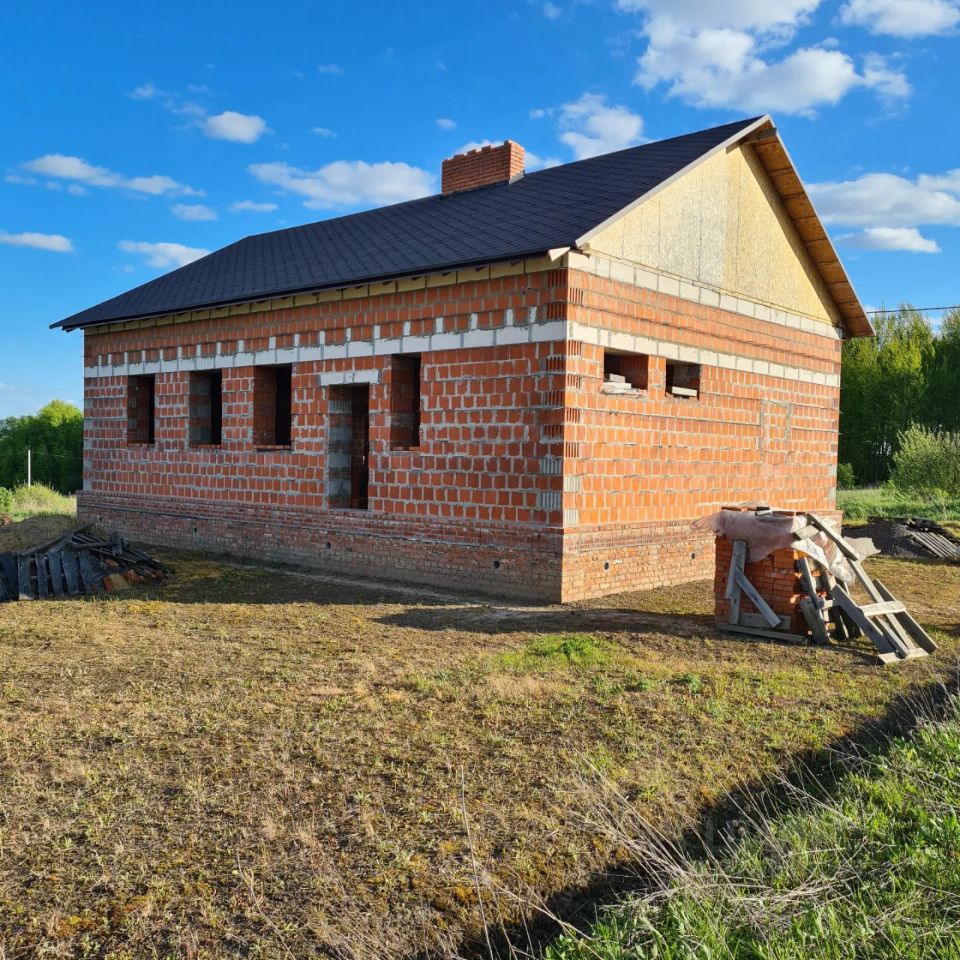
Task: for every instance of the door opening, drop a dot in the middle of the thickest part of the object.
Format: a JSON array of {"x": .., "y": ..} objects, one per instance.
[{"x": 348, "y": 474}]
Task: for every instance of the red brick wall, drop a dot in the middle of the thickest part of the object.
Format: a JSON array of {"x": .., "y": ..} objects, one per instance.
[
  {"x": 529, "y": 478},
  {"x": 640, "y": 468}
]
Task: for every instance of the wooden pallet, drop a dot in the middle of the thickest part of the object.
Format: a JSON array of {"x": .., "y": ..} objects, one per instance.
[{"x": 884, "y": 621}]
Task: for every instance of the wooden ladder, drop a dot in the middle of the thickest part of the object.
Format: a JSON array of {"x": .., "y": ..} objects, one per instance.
[{"x": 884, "y": 621}]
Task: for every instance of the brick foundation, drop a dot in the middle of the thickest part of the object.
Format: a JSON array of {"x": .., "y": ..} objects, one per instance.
[{"x": 507, "y": 561}]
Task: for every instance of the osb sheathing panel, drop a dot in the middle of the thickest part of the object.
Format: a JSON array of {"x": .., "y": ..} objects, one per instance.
[{"x": 724, "y": 225}]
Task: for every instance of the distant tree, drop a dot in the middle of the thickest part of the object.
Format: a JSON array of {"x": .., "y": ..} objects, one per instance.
[
  {"x": 944, "y": 376},
  {"x": 884, "y": 390},
  {"x": 55, "y": 436}
]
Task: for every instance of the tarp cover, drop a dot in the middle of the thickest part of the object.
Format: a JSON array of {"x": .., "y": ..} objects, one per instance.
[{"x": 765, "y": 533}]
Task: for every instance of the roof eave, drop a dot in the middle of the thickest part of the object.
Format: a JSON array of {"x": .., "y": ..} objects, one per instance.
[
  {"x": 782, "y": 172},
  {"x": 553, "y": 253}
]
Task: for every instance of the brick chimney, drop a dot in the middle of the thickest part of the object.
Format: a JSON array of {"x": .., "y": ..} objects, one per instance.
[{"x": 481, "y": 167}]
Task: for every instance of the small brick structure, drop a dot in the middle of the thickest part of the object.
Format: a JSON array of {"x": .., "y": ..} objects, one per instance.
[
  {"x": 776, "y": 578},
  {"x": 493, "y": 163}
]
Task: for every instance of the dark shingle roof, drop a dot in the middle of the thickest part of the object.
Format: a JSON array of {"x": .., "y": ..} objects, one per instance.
[{"x": 538, "y": 212}]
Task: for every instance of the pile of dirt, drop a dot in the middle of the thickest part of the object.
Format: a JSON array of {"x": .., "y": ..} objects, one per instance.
[
  {"x": 891, "y": 537},
  {"x": 27, "y": 533}
]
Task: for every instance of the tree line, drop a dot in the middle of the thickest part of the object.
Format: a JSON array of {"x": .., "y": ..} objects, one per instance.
[
  {"x": 908, "y": 375},
  {"x": 54, "y": 436}
]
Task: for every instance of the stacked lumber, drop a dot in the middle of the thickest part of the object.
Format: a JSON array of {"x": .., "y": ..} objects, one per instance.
[
  {"x": 826, "y": 603},
  {"x": 77, "y": 562},
  {"x": 933, "y": 538}
]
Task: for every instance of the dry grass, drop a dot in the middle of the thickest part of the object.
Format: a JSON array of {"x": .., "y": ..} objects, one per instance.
[{"x": 257, "y": 763}]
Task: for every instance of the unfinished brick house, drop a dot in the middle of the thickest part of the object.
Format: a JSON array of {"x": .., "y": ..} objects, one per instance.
[{"x": 529, "y": 384}]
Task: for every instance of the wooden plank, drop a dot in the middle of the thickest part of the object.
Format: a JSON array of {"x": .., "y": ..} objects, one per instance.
[
  {"x": 736, "y": 569},
  {"x": 757, "y": 632},
  {"x": 758, "y": 620},
  {"x": 884, "y": 606},
  {"x": 71, "y": 573},
  {"x": 91, "y": 582},
  {"x": 883, "y": 640},
  {"x": 56, "y": 572},
  {"x": 827, "y": 583},
  {"x": 751, "y": 591},
  {"x": 40, "y": 563},
  {"x": 8, "y": 569},
  {"x": 58, "y": 540},
  {"x": 919, "y": 636},
  {"x": 814, "y": 621},
  {"x": 736, "y": 563},
  {"x": 24, "y": 586},
  {"x": 803, "y": 565},
  {"x": 888, "y": 622},
  {"x": 842, "y": 544}
]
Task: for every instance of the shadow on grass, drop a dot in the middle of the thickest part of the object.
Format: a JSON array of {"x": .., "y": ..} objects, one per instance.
[
  {"x": 501, "y": 620},
  {"x": 817, "y": 773}
]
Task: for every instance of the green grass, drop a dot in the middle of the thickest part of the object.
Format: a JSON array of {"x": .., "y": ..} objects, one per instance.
[
  {"x": 558, "y": 651},
  {"x": 245, "y": 762},
  {"x": 36, "y": 500},
  {"x": 869, "y": 869},
  {"x": 865, "y": 502}
]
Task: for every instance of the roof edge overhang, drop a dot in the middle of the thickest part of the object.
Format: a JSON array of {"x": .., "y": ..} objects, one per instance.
[
  {"x": 766, "y": 142},
  {"x": 553, "y": 254}
]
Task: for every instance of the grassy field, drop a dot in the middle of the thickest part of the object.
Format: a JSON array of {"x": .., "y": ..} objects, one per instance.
[
  {"x": 859, "y": 504},
  {"x": 36, "y": 500},
  {"x": 865, "y": 866},
  {"x": 266, "y": 763}
]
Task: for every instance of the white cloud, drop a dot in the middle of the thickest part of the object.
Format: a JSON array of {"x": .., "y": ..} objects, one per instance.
[
  {"x": 252, "y": 206},
  {"x": 348, "y": 183},
  {"x": 445, "y": 123},
  {"x": 324, "y": 132},
  {"x": 17, "y": 178},
  {"x": 738, "y": 14},
  {"x": 235, "y": 127},
  {"x": 551, "y": 11},
  {"x": 887, "y": 200},
  {"x": 902, "y": 18},
  {"x": 890, "y": 238},
  {"x": 589, "y": 126},
  {"x": 53, "y": 242},
  {"x": 163, "y": 254},
  {"x": 65, "y": 167},
  {"x": 718, "y": 55},
  {"x": 146, "y": 91},
  {"x": 477, "y": 144},
  {"x": 330, "y": 69},
  {"x": 193, "y": 211},
  {"x": 533, "y": 161}
]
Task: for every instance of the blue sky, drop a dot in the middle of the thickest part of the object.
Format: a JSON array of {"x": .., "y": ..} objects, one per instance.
[{"x": 139, "y": 137}]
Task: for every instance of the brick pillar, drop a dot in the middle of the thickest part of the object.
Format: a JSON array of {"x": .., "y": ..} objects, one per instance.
[{"x": 776, "y": 578}]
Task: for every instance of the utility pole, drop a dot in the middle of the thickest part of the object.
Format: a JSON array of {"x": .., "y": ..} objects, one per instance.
[{"x": 29, "y": 467}]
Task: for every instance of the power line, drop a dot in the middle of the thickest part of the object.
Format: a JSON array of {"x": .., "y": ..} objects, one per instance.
[{"x": 953, "y": 306}]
